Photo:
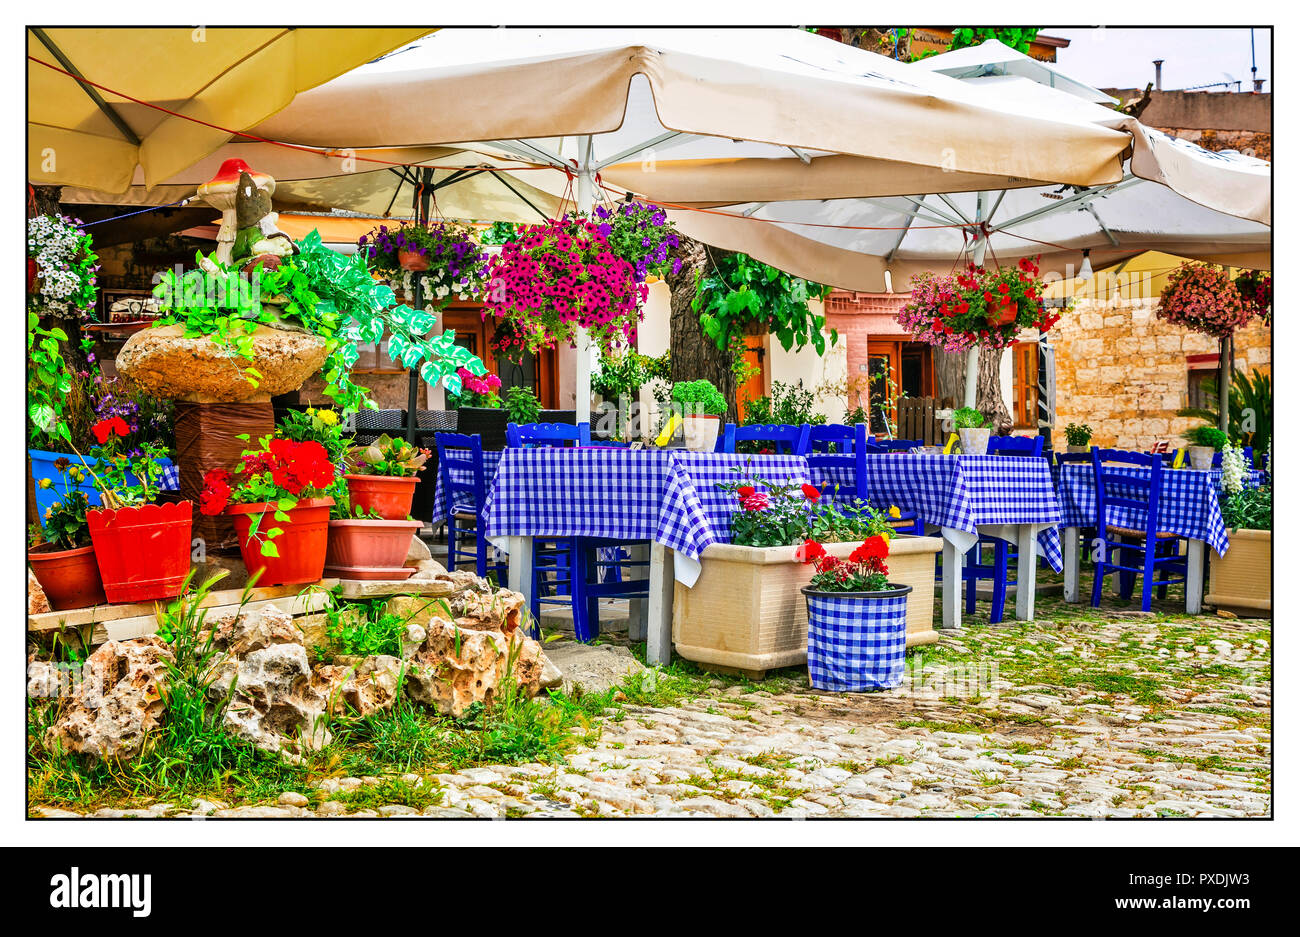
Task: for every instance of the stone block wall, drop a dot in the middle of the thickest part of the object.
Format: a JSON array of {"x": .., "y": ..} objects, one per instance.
[{"x": 1123, "y": 371}]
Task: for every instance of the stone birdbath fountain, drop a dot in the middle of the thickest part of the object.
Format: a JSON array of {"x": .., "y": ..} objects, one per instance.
[{"x": 215, "y": 402}]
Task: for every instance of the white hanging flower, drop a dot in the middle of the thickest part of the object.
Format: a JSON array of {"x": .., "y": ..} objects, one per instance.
[{"x": 1234, "y": 469}]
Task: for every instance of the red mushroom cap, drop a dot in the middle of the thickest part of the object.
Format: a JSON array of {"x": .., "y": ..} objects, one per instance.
[{"x": 230, "y": 170}]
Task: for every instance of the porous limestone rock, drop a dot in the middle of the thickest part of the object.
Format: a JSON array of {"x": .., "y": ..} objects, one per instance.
[
  {"x": 167, "y": 365},
  {"x": 36, "y": 600},
  {"x": 371, "y": 687},
  {"x": 118, "y": 701}
]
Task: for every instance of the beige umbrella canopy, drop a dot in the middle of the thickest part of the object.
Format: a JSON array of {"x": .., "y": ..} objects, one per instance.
[{"x": 82, "y": 135}]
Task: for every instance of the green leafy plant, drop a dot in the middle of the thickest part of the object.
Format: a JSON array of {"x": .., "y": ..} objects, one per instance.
[
  {"x": 699, "y": 398},
  {"x": 968, "y": 418},
  {"x": 1249, "y": 509},
  {"x": 498, "y": 232},
  {"x": 740, "y": 294},
  {"x": 774, "y": 514},
  {"x": 48, "y": 381},
  {"x": 522, "y": 405},
  {"x": 1250, "y": 408},
  {"x": 64, "y": 522},
  {"x": 386, "y": 456},
  {"x": 790, "y": 404},
  {"x": 362, "y": 629},
  {"x": 1210, "y": 436},
  {"x": 1077, "y": 434}
]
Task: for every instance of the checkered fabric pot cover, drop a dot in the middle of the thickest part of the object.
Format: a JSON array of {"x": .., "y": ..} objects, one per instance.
[{"x": 857, "y": 640}]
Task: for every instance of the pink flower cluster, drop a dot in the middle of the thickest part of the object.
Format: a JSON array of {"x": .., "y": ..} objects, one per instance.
[
  {"x": 1201, "y": 297},
  {"x": 487, "y": 384},
  {"x": 554, "y": 277}
]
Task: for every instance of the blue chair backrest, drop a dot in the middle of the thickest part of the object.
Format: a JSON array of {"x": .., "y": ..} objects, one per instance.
[
  {"x": 893, "y": 445},
  {"x": 1247, "y": 451},
  {"x": 1016, "y": 445},
  {"x": 794, "y": 439},
  {"x": 1062, "y": 457},
  {"x": 822, "y": 438},
  {"x": 535, "y": 435},
  {"x": 1127, "y": 492},
  {"x": 463, "y": 455}
]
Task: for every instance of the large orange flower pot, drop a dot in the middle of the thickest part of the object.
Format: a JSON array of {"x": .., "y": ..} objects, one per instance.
[
  {"x": 300, "y": 548},
  {"x": 70, "y": 578},
  {"x": 143, "y": 552},
  {"x": 389, "y": 496}
]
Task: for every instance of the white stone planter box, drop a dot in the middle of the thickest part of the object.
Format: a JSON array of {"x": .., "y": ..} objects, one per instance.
[
  {"x": 1242, "y": 579},
  {"x": 746, "y": 613}
]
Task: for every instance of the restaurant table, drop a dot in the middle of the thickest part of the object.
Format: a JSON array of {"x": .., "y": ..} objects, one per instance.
[
  {"x": 1189, "y": 507},
  {"x": 666, "y": 497},
  {"x": 1008, "y": 497}
]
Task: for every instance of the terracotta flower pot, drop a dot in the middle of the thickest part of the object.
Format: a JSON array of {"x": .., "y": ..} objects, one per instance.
[
  {"x": 70, "y": 578},
  {"x": 142, "y": 552},
  {"x": 1006, "y": 316},
  {"x": 301, "y": 545},
  {"x": 357, "y": 547},
  {"x": 390, "y": 496},
  {"x": 410, "y": 260}
]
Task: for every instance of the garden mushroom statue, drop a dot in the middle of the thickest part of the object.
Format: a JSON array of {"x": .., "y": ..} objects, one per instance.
[{"x": 221, "y": 192}]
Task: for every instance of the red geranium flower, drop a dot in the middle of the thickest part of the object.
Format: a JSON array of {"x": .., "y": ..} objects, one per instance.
[
  {"x": 808, "y": 551},
  {"x": 113, "y": 426},
  {"x": 744, "y": 491}
]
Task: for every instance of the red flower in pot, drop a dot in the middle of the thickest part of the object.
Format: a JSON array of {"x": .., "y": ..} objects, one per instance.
[
  {"x": 62, "y": 556},
  {"x": 279, "y": 499}
]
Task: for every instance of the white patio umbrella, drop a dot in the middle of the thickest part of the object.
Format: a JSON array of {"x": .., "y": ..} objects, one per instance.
[
  {"x": 697, "y": 116},
  {"x": 1173, "y": 196}
]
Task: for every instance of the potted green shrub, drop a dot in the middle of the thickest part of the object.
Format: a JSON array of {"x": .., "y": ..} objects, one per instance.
[
  {"x": 381, "y": 477},
  {"x": 1077, "y": 437},
  {"x": 744, "y": 613},
  {"x": 1242, "y": 579},
  {"x": 971, "y": 431},
  {"x": 857, "y": 618},
  {"x": 701, "y": 407},
  {"x": 62, "y": 556},
  {"x": 1203, "y": 443}
]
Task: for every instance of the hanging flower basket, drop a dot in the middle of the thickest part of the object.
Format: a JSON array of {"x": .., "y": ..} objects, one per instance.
[
  {"x": 555, "y": 278},
  {"x": 977, "y": 308},
  {"x": 413, "y": 261},
  {"x": 1256, "y": 289},
  {"x": 59, "y": 254},
  {"x": 1202, "y": 297}
]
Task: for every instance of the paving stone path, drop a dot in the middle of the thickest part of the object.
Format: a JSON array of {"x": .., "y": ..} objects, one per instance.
[{"x": 1134, "y": 715}]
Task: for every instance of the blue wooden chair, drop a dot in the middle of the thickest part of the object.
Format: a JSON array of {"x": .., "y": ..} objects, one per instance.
[
  {"x": 1157, "y": 550},
  {"x": 894, "y": 445},
  {"x": 464, "y": 500},
  {"x": 907, "y": 522},
  {"x": 785, "y": 438},
  {"x": 576, "y": 571},
  {"x": 831, "y": 438},
  {"x": 1031, "y": 446}
]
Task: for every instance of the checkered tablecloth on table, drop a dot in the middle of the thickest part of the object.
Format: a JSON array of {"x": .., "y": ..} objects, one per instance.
[
  {"x": 668, "y": 496},
  {"x": 171, "y": 478},
  {"x": 490, "y": 461},
  {"x": 966, "y": 495},
  {"x": 1189, "y": 501}
]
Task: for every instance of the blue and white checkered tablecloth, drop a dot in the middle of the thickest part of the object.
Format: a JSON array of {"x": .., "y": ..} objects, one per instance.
[
  {"x": 490, "y": 461},
  {"x": 171, "y": 478},
  {"x": 965, "y": 495},
  {"x": 668, "y": 496},
  {"x": 1189, "y": 501}
]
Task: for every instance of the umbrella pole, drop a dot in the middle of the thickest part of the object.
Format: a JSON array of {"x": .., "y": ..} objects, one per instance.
[
  {"x": 584, "y": 196},
  {"x": 973, "y": 355}
]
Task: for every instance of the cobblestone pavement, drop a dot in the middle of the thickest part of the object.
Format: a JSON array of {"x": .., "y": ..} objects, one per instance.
[{"x": 1134, "y": 715}]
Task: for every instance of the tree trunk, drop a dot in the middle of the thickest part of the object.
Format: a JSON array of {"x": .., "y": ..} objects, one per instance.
[
  {"x": 46, "y": 199},
  {"x": 1225, "y": 380},
  {"x": 988, "y": 390},
  {"x": 949, "y": 377},
  {"x": 693, "y": 355}
]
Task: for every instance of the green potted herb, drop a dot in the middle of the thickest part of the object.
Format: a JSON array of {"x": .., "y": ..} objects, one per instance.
[
  {"x": 1203, "y": 443},
  {"x": 62, "y": 556},
  {"x": 972, "y": 431},
  {"x": 701, "y": 407},
  {"x": 382, "y": 476},
  {"x": 1077, "y": 437},
  {"x": 522, "y": 405}
]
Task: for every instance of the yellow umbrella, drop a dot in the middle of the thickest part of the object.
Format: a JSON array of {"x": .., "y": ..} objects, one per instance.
[
  {"x": 83, "y": 135},
  {"x": 1144, "y": 275}
]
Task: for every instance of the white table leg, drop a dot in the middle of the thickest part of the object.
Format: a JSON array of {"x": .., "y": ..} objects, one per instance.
[
  {"x": 952, "y": 563},
  {"x": 1070, "y": 546},
  {"x": 521, "y": 567},
  {"x": 659, "y": 637},
  {"x": 1026, "y": 572},
  {"x": 638, "y": 609},
  {"x": 1195, "y": 579}
]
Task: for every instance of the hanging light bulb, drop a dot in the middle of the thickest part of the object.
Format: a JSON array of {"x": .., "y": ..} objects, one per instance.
[{"x": 1085, "y": 272}]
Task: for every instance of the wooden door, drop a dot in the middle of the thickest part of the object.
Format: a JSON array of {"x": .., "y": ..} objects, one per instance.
[
  {"x": 1025, "y": 392},
  {"x": 755, "y": 385},
  {"x": 884, "y": 363}
]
